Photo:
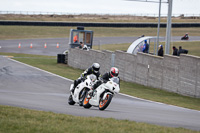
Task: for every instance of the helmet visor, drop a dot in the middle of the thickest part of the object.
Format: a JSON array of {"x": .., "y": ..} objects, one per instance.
[
  {"x": 114, "y": 74},
  {"x": 95, "y": 69}
]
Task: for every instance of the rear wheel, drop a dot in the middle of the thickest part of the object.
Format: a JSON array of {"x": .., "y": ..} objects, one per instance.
[
  {"x": 103, "y": 104},
  {"x": 86, "y": 102},
  {"x": 70, "y": 100}
]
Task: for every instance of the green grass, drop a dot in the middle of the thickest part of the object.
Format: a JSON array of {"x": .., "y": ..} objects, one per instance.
[
  {"x": 159, "y": 95},
  {"x": 18, "y": 120},
  {"x": 113, "y": 47},
  {"x": 29, "y": 32},
  {"x": 45, "y": 63},
  {"x": 193, "y": 47}
]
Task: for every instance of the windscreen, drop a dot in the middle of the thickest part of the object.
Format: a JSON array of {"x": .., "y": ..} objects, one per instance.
[
  {"x": 115, "y": 79},
  {"x": 93, "y": 77}
]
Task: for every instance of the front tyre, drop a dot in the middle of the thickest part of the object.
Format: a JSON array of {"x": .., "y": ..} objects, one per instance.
[
  {"x": 70, "y": 100},
  {"x": 103, "y": 104},
  {"x": 82, "y": 97},
  {"x": 86, "y": 102}
]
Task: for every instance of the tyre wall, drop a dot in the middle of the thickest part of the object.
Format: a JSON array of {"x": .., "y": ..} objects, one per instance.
[{"x": 102, "y": 24}]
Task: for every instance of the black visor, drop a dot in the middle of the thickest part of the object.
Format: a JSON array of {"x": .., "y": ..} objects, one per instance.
[
  {"x": 95, "y": 69},
  {"x": 114, "y": 74}
]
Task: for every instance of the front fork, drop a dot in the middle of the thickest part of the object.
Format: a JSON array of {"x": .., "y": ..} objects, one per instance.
[{"x": 105, "y": 95}]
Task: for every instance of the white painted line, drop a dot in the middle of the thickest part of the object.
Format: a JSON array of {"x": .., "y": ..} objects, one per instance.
[
  {"x": 119, "y": 93},
  {"x": 138, "y": 98},
  {"x": 157, "y": 102},
  {"x": 0, "y": 46},
  {"x": 41, "y": 70},
  {"x": 143, "y": 99}
]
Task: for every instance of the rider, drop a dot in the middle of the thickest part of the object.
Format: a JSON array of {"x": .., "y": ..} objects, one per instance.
[
  {"x": 185, "y": 37},
  {"x": 114, "y": 72},
  {"x": 94, "y": 69}
]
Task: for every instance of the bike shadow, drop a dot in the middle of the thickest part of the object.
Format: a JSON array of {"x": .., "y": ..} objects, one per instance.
[{"x": 106, "y": 110}]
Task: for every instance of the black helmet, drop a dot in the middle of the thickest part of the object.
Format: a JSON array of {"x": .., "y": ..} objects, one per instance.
[
  {"x": 95, "y": 67},
  {"x": 114, "y": 72}
]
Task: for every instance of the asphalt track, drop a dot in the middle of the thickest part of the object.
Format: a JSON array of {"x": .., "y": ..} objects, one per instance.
[
  {"x": 28, "y": 87},
  {"x": 11, "y": 46}
]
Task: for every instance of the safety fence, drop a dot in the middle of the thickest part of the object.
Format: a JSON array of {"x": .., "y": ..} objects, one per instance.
[{"x": 194, "y": 15}]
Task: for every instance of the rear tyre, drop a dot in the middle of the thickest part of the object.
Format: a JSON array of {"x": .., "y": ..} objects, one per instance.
[
  {"x": 86, "y": 102},
  {"x": 70, "y": 100},
  {"x": 103, "y": 104}
]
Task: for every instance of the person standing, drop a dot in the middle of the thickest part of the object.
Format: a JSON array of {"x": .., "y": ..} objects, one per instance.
[
  {"x": 175, "y": 51},
  {"x": 160, "y": 51},
  {"x": 145, "y": 47},
  {"x": 75, "y": 39}
]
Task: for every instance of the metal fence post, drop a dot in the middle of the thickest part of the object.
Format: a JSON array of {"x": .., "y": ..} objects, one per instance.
[
  {"x": 112, "y": 60},
  {"x": 168, "y": 30}
]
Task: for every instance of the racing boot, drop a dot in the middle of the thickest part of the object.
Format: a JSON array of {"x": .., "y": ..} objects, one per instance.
[
  {"x": 90, "y": 93},
  {"x": 93, "y": 88}
]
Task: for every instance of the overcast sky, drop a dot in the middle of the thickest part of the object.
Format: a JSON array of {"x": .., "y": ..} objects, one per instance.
[{"x": 100, "y": 6}]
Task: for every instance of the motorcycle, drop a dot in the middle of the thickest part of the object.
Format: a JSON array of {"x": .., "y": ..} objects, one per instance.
[
  {"x": 81, "y": 89},
  {"x": 102, "y": 95},
  {"x": 185, "y": 37}
]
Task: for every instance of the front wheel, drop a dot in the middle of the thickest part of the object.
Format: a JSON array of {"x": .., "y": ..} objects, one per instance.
[
  {"x": 82, "y": 97},
  {"x": 86, "y": 103},
  {"x": 70, "y": 100},
  {"x": 103, "y": 104}
]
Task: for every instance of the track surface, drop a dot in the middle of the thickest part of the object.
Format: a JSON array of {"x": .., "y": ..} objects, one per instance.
[
  {"x": 28, "y": 87},
  {"x": 11, "y": 46}
]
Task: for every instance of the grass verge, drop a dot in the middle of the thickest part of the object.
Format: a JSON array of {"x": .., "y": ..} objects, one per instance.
[
  {"x": 193, "y": 47},
  {"x": 30, "y": 32},
  {"x": 18, "y": 120}
]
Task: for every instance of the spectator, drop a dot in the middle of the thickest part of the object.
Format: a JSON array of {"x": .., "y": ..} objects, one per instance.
[
  {"x": 75, "y": 39},
  {"x": 81, "y": 45},
  {"x": 160, "y": 51},
  {"x": 85, "y": 47},
  {"x": 182, "y": 51},
  {"x": 175, "y": 51},
  {"x": 145, "y": 47}
]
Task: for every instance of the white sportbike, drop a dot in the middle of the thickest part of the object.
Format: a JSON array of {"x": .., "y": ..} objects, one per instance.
[
  {"x": 81, "y": 90},
  {"x": 102, "y": 95}
]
